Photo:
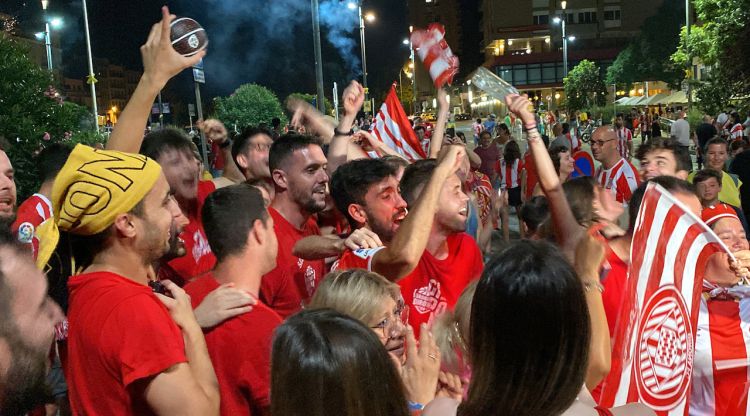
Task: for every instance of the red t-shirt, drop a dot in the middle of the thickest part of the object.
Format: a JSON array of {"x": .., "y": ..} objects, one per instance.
[
  {"x": 614, "y": 280},
  {"x": 31, "y": 213},
  {"x": 199, "y": 259},
  {"x": 240, "y": 350},
  {"x": 119, "y": 332},
  {"x": 434, "y": 286},
  {"x": 531, "y": 177},
  {"x": 294, "y": 280}
]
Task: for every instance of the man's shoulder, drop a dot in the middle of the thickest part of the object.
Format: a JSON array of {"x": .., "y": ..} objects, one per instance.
[{"x": 200, "y": 287}]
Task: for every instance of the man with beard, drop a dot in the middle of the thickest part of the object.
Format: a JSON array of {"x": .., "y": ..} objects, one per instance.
[
  {"x": 131, "y": 350},
  {"x": 426, "y": 253},
  {"x": 298, "y": 168},
  {"x": 27, "y": 319},
  {"x": 624, "y": 138},
  {"x": 7, "y": 191}
]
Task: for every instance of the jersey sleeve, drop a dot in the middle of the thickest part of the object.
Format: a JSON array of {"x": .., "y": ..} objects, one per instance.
[{"x": 141, "y": 340}]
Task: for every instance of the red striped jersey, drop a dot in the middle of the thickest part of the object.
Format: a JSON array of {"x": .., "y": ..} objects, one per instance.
[
  {"x": 720, "y": 368},
  {"x": 624, "y": 135},
  {"x": 510, "y": 174},
  {"x": 574, "y": 142},
  {"x": 31, "y": 214},
  {"x": 621, "y": 179},
  {"x": 736, "y": 132}
]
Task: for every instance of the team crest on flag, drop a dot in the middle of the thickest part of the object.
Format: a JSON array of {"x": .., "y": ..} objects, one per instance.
[
  {"x": 653, "y": 345},
  {"x": 393, "y": 128}
]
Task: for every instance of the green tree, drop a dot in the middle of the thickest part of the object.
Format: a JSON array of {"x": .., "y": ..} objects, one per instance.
[
  {"x": 32, "y": 114},
  {"x": 646, "y": 58},
  {"x": 584, "y": 87},
  {"x": 720, "y": 42},
  {"x": 249, "y": 105}
]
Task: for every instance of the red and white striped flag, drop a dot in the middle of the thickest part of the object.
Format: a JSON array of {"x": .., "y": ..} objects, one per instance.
[
  {"x": 654, "y": 340},
  {"x": 392, "y": 127},
  {"x": 435, "y": 53}
]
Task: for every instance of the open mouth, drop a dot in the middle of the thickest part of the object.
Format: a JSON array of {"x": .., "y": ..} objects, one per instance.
[{"x": 6, "y": 204}]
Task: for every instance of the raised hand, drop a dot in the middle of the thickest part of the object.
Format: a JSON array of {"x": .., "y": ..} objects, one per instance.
[
  {"x": 160, "y": 61},
  {"x": 362, "y": 238},
  {"x": 519, "y": 105},
  {"x": 353, "y": 98},
  {"x": 420, "y": 373}
]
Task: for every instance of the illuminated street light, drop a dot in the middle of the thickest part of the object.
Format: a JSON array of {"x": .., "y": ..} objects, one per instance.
[
  {"x": 405, "y": 41},
  {"x": 370, "y": 17}
]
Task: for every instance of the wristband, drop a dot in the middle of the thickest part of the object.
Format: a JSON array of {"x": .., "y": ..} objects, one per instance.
[
  {"x": 415, "y": 405},
  {"x": 591, "y": 284},
  {"x": 530, "y": 126},
  {"x": 337, "y": 132}
]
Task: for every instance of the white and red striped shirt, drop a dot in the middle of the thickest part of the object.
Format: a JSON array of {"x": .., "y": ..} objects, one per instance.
[
  {"x": 736, "y": 132},
  {"x": 510, "y": 175},
  {"x": 624, "y": 136},
  {"x": 722, "y": 347},
  {"x": 622, "y": 180},
  {"x": 575, "y": 143}
]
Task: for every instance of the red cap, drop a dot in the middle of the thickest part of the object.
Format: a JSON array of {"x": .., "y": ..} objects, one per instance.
[{"x": 716, "y": 212}]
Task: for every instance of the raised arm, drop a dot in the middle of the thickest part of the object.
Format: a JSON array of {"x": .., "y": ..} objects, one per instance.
[
  {"x": 160, "y": 63},
  {"x": 436, "y": 141},
  {"x": 353, "y": 98},
  {"x": 402, "y": 255},
  {"x": 567, "y": 229}
]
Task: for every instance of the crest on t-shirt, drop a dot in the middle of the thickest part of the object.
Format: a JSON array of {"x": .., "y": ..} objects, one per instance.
[
  {"x": 200, "y": 246},
  {"x": 310, "y": 280},
  {"x": 26, "y": 232},
  {"x": 428, "y": 298}
]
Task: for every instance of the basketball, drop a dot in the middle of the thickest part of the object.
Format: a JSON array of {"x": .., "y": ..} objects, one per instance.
[{"x": 188, "y": 37}]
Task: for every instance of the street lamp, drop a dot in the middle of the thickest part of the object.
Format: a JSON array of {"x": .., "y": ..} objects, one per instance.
[
  {"x": 55, "y": 23},
  {"x": 561, "y": 21},
  {"x": 370, "y": 18}
]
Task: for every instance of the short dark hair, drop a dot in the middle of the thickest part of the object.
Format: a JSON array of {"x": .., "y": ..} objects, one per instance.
[
  {"x": 716, "y": 140},
  {"x": 565, "y": 128},
  {"x": 670, "y": 183},
  {"x": 339, "y": 360},
  {"x": 554, "y": 154},
  {"x": 503, "y": 126},
  {"x": 534, "y": 361},
  {"x": 163, "y": 140},
  {"x": 706, "y": 174},
  {"x": 275, "y": 122},
  {"x": 415, "y": 177},
  {"x": 419, "y": 127},
  {"x": 665, "y": 143},
  {"x": 487, "y": 132},
  {"x": 351, "y": 181},
  {"x": 241, "y": 141},
  {"x": 395, "y": 162},
  {"x": 534, "y": 212},
  {"x": 228, "y": 216},
  {"x": 51, "y": 160},
  {"x": 283, "y": 147}
]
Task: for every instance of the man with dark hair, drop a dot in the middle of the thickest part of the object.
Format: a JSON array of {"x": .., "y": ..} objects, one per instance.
[
  {"x": 250, "y": 152},
  {"x": 661, "y": 156},
  {"x": 275, "y": 128},
  {"x": 7, "y": 192},
  {"x": 172, "y": 150},
  {"x": 624, "y": 137},
  {"x": 708, "y": 188},
  {"x": 38, "y": 208},
  {"x": 298, "y": 169},
  {"x": 27, "y": 319},
  {"x": 241, "y": 234},
  {"x": 716, "y": 154}
]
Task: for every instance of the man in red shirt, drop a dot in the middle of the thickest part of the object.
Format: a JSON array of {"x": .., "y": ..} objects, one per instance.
[
  {"x": 130, "y": 351},
  {"x": 38, "y": 208},
  {"x": 298, "y": 167},
  {"x": 426, "y": 252},
  {"x": 240, "y": 232}
]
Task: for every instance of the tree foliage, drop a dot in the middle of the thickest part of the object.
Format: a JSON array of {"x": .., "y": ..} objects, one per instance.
[
  {"x": 584, "y": 87},
  {"x": 646, "y": 58},
  {"x": 33, "y": 114},
  {"x": 249, "y": 105},
  {"x": 721, "y": 43}
]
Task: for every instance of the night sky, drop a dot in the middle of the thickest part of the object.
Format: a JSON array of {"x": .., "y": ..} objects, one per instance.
[{"x": 268, "y": 42}]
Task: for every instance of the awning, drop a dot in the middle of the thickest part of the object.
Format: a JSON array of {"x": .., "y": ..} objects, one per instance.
[
  {"x": 622, "y": 100},
  {"x": 652, "y": 100},
  {"x": 678, "y": 97}
]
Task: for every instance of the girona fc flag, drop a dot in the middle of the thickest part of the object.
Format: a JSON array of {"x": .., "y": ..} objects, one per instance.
[
  {"x": 654, "y": 340},
  {"x": 392, "y": 127}
]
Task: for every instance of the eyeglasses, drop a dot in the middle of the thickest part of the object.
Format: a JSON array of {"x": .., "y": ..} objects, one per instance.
[
  {"x": 390, "y": 326},
  {"x": 600, "y": 143}
]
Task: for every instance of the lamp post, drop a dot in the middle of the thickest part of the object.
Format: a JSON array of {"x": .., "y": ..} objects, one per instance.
[
  {"x": 562, "y": 20},
  {"x": 91, "y": 80},
  {"x": 689, "y": 57},
  {"x": 370, "y": 18},
  {"x": 318, "y": 58},
  {"x": 47, "y": 43}
]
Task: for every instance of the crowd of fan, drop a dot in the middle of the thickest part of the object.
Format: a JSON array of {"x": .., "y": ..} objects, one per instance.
[{"x": 313, "y": 279}]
